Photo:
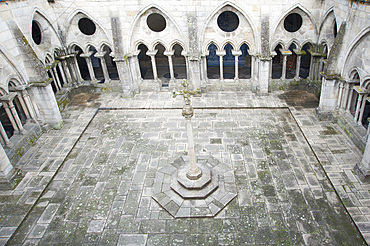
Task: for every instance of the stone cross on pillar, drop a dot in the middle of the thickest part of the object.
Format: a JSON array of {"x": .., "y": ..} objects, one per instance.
[{"x": 194, "y": 172}]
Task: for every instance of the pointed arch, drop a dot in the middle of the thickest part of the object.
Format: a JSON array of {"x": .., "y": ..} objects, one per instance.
[
  {"x": 246, "y": 25},
  {"x": 226, "y": 42},
  {"x": 47, "y": 27},
  {"x": 73, "y": 33},
  {"x": 170, "y": 32},
  {"x": 356, "y": 42},
  {"x": 290, "y": 10}
]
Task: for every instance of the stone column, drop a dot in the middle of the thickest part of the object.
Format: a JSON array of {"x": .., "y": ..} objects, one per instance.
[
  {"x": 221, "y": 55},
  {"x": 361, "y": 101},
  {"x": 362, "y": 169},
  {"x": 236, "y": 53},
  {"x": 349, "y": 94},
  {"x": 358, "y": 106},
  {"x": 55, "y": 72},
  {"x": 123, "y": 68},
  {"x": 7, "y": 101},
  {"x": 90, "y": 66},
  {"x": 5, "y": 165},
  {"x": 203, "y": 71},
  {"x": 364, "y": 99},
  {"x": 285, "y": 54},
  {"x": 135, "y": 71},
  {"x": 11, "y": 118},
  {"x": 193, "y": 70},
  {"x": 299, "y": 54},
  {"x": 66, "y": 70},
  {"x": 62, "y": 73},
  {"x": 3, "y": 133},
  {"x": 19, "y": 90},
  {"x": 315, "y": 65},
  {"x": 48, "y": 110},
  {"x": 100, "y": 55},
  {"x": 329, "y": 94},
  {"x": 152, "y": 54},
  {"x": 80, "y": 80},
  {"x": 339, "y": 102},
  {"x": 169, "y": 54},
  {"x": 264, "y": 74},
  {"x": 49, "y": 68}
]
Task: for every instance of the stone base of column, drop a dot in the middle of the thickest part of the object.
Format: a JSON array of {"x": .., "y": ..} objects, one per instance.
[
  {"x": 362, "y": 172},
  {"x": 150, "y": 85},
  {"x": 11, "y": 180}
]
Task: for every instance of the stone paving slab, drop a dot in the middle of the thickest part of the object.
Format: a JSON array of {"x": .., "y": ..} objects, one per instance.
[{"x": 101, "y": 187}]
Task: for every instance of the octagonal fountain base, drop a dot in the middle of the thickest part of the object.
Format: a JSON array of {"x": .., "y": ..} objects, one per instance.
[{"x": 205, "y": 197}]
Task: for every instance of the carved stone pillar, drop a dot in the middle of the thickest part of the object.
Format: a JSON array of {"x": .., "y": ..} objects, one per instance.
[
  {"x": 8, "y": 105},
  {"x": 362, "y": 169},
  {"x": 3, "y": 133},
  {"x": 22, "y": 102},
  {"x": 5, "y": 165},
  {"x": 361, "y": 101},
  {"x": 340, "y": 96},
  {"x": 87, "y": 57},
  {"x": 264, "y": 74},
  {"x": 285, "y": 54},
  {"x": 55, "y": 72},
  {"x": 236, "y": 54},
  {"x": 221, "y": 54},
  {"x": 169, "y": 54},
  {"x": 299, "y": 54},
  {"x": 60, "y": 67},
  {"x": 47, "y": 107},
  {"x": 152, "y": 54},
  {"x": 100, "y": 55}
]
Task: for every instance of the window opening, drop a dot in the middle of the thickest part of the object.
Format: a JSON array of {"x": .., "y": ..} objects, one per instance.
[
  {"x": 145, "y": 63},
  {"x": 293, "y": 22},
  {"x": 228, "y": 21},
  {"x": 305, "y": 62},
  {"x": 86, "y": 26},
  {"x": 36, "y": 32},
  {"x": 213, "y": 63},
  {"x": 179, "y": 63},
  {"x": 291, "y": 63},
  {"x": 156, "y": 22},
  {"x": 229, "y": 63},
  {"x": 245, "y": 63},
  {"x": 277, "y": 63}
]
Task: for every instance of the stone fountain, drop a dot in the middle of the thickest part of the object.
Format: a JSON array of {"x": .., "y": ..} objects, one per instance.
[{"x": 187, "y": 188}]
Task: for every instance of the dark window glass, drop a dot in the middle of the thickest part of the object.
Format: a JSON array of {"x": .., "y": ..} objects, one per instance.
[
  {"x": 228, "y": 21},
  {"x": 156, "y": 22},
  {"x": 293, "y": 22},
  {"x": 86, "y": 26},
  {"x": 36, "y": 32}
]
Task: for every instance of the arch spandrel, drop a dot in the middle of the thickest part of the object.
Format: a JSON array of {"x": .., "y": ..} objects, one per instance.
[
  {"x": 245, "y": 30},
  {"x": 141, "y": 31},
  {"x": 308, "y": 29}
]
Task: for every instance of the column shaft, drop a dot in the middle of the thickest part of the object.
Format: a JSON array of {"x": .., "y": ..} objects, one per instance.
[
  {"x": 359, "y": 102},
  {"x": 154, "y": 67}
]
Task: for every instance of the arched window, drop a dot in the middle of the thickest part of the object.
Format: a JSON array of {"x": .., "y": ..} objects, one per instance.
[
  {"x": 277, "y": 63},
  {"x": 291, "y": 63},
  {"x": 144, "y": 63},
  {"x": 305, "y": 62},
  {"x": 213, "y": 63},
  {"x": 229, "y": 62},
  {"x": 245, "y": 63},
  {"x": 163, "y": 69},
  {"x": 179, "y": 63},
  {"x": 95, "y": 61},
  {"x": 111, "y": 65}
]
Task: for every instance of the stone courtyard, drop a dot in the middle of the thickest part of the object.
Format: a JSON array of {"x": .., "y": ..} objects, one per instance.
[{"x": 91, "y": 183}]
